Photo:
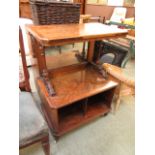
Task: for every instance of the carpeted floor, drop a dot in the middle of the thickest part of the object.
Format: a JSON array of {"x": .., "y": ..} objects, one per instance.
[{"x": 110, "y": 135}]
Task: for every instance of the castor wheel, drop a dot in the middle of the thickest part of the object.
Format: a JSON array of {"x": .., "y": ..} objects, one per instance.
[
  {"x": 56, "y": 138},
  {"x": 105, "y": 114}
]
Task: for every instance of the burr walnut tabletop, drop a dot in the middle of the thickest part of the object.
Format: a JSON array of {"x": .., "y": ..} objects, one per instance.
[{"x": 54, "y": 34}]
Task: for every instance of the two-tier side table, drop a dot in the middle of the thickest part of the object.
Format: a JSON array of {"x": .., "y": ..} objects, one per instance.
[{"x": 76, "y": 94}]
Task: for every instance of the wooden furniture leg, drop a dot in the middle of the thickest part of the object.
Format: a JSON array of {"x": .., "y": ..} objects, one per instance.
[
  {"x": 122, "y": 92},
  {"x": 40, "y": 53},
  {"x": 55, "y": 119},
  {"x": 118, "y": 98},
  {"x": 90, "y": 50},
  {"x": 46, "y": 145},
  {"x": 59, "y": 48},
  {"x": 117, "y": 103},
  {"x": 39, "y": 50},
  {"x": 83, "y": 50}
]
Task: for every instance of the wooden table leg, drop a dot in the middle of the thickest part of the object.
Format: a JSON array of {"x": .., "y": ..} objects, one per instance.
[
  {"x": 39, "y": 50},
  {"x": 83, "y": 50},
  {"x": 40, "y": 53},
  {"x": 55, "y": 120},
  {"x": 90, "y": 50},
  {"x": 118, "y": 97}
]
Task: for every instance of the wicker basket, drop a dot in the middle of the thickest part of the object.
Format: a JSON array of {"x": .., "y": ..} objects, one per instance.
[{"x": 45, "y": 12}]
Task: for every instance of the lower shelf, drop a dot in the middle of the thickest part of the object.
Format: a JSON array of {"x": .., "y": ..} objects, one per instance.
[
  {"x": 82, "y": 95},
  {"x": 78, "y": 119},
  {"x": 82, "y": 112}
]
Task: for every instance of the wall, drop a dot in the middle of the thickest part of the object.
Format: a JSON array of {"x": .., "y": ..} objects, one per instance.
[{"x": 106, "y": 11}]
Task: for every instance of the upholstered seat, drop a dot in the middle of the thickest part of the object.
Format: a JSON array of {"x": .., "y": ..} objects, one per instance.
[{"x": 31, "y": 122}]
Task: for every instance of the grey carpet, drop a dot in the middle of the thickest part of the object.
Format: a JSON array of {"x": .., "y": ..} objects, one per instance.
[{"x": 110, "y": 135}]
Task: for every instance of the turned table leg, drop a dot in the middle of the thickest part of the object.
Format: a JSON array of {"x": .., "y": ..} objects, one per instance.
[
  {"x": 90, "y": 50},
  {"x": 40, "y": 53}
]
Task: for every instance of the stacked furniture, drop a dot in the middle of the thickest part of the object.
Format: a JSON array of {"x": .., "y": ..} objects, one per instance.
[
  {"x": 121, "y": 48},
  {"x": 127, "y": 43},
  {"x": 108, "y": 52},
  {"x": 119, "y": 14},
  {"x": 117, "y": 51}
]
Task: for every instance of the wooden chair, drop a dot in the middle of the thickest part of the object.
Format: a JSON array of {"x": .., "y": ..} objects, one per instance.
[
  {"x": 23, "y": 71},
  {"x": 126, "y": 82},
  {"x": 32, "y": 126}
]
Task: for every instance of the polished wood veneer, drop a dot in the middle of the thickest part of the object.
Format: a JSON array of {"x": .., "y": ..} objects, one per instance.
[
  {"x": 61, "y": 60},
  {"x": 77, "y": 84},
  {"x": 67, "y": 33}
]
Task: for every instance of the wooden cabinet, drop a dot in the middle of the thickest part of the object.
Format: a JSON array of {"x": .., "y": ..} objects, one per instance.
[{"x": 24, "y": 9}]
